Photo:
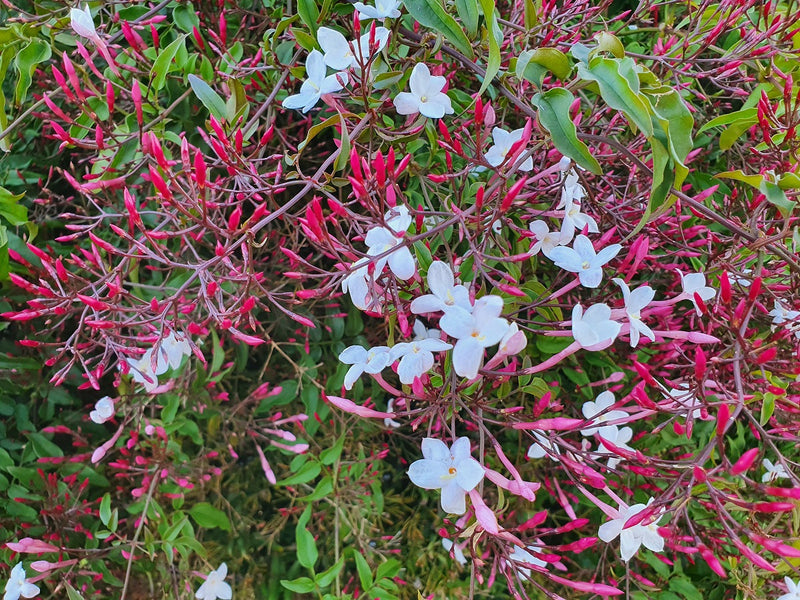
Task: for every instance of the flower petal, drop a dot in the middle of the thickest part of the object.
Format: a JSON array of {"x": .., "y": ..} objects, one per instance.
[
  {"x": 402, "y": 264},
  {"x": 469, "y": 473},
  {"x": 434, "y": 449},
  {"x": 453, "y": 499},
  {"x": 426, "y": 304},
  {"x": 610, "y": 530},
  {"x": 428, "y": 474},
  {"x": 353, "y": 354},
  {"x": 418, "y": 82},
  {"x": 467, "y": 356},
  {"x": 406, "y": 104},
  {"x": 440, "y": 279}
]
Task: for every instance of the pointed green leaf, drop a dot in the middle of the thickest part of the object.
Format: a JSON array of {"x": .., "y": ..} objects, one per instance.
[
  {"x": 301, "y": 585},
  {"x": 553, "y": 107},
  {"x": 209, "y": 516},
  {"x": 309, "y": 14},
  {"x": 468, "y": 12},
  {"x": 163, "y": 64},
  {"x": 748, "y": 114},
  {"x": 531, "y": 63},
  {"x": 431, "y": 14},
  {"x": 364, "y": 572},
  {"x": 492, "y": 30},
  {"x": 210, "y": 99},
  {"x": 34, "y": 53},
  {"x": 777, "y": 197}
]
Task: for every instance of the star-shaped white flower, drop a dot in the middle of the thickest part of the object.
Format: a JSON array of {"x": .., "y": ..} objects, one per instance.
[
  {"x": 583, "y": 260},
  {"x": 792, "y": 590},
  {"x": 632, "y": 538},
  {"x": 144, "y": 370},
  {"x": 175, "y": 346},
  {"x": 423, "y": 333},
  {"x": 416, "y": 357},
  {"x": 475, "y": 332},
  {"x": 503, "y": 141},
  {"x": 597, "y": 414},
  {"x": 773, "y": 471},
  {"x": 686, "y": 399},
  {"x": 383, "y": 9},
  {"x": 575, "y": 220},
  {"x": 18, "y": 585},
  {"x": 571, "y": 191},
  {"x": 103, "y": 410},
  {"x": 214, "y": 586},
  {"x": 780, "y": 314},
  {"x": 382, "y": 239},
  {"x": 341, "y": 54},
  {"x": 635, "y": 302},
  {"x": 388, "y": 421},
  {"x": 453, "y": 470},
  {"x": 446, "y": 294},
  {"x": 696, "y": 283},
  {"x": 458, "y": 552},
  {"x": 316, "y": 85},
  {"x": 426, "y": 95},
  {"x": 546, "y": 240},
  {"x": 594, "y": 329},
  {"x": 370, "y": 361}
]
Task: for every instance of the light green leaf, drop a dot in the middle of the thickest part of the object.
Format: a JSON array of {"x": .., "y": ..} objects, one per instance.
[
  {"x": 210, "y": 99},
  {"x": 301, "y": 585},
  {"x": 163, "y": 64},
  {"x": 678, "y": 122},
  {"x": 738, "y": 175},
  {"x": 307, "y": 472},
  {"x": 492, "y": 28},
  {"x": 325, "y": 578},
  {"x": 364, "y": 572},
  {"x": 553, "y": 107},
  {"x": 617, "y": 91},
  {"x": 468, "y": 12},
  {"x": 72, "y": 593},
  {"x": 309, "y": 14},
  {"x": 105, "y": 509},
  {"x": 431, "y": 14},
  {"x": 608, "y": 42},
  {"x": 34, "y": 53},
  {"x": 532, "y": 64},
  {"x": 307, "y": 553},
  {"x": 13, "y": 212},
  {"x": 209, "y": 516},
  {"x": 184, "y": 16},
  {"x": 748, "y": 114},
  {"x": 777, "y": 197}
]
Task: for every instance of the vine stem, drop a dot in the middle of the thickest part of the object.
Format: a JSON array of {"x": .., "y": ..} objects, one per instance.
[{"x": 139, "y": 529}]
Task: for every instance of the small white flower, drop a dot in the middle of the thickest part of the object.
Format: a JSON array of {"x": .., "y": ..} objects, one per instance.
[
  {"x": 458, "y": 553},
  {"x": 696, "y": 283},
  {"x": 513, "y": 342},
  {"x": 18, "y": 585},
  {"x": 214, "y": 586},
  {"x": 792, "y": 590},
  {"x": 546, "y": 240},
  {"x": 382, "y": 239},
  {"x": 780, "y": 314},
  {"x": 503, "y": 141},
  {"x": 145, "y": 372},
  {"x": 363, "y": 295},
  {"x": 341, "y": 54},
  {"x": 383, "y": 9},
  {"x": 175, "y": 346},
  {"x": 543, "y": 447},
  {"x": 632, "y": 538},
  {"x": 453, "y": 470},
  {"x": 583, "y": 260},
  {"x": 446, "y": 295},
  {"x": 416, "y": 358},
  {"x": 521, "y": 555},
  {"x": 389, "y": 422},
  {"x": 103, "y": 410},
  {"x": 423, "y": 333},
  {"x": 594, "y": 329},
  {"x": 597, "y": 414},
  {"x": 635, "y": 302},
  {"x": 82, "y": 22},
  {"x": 475, "y": 332},
  {"x": 426, "y": 95},
  {"x": 370, "y": 361},
  {"x": 773, "y": 472},
  {"x": 686, "y": 399},
  {"x": 572, "y": 190},
  {"x": 316, "y": 85},
  {"x": 574, "y": 220}
]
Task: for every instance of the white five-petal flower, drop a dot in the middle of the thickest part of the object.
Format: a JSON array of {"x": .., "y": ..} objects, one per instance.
[
  {"x": 792, "y": 590},
  {"x": 341, "y": 54},
  {"x": 696, "y": 283},
  {"x": 175, "y": 346},
  {"x": 619, "y": 437},
  {"x": 598, "y": 415},
  {"x": 446, "y": 294},
  {"x": 143, "y": 370},
  {"x": 370, "y": 361},
  {"x": 357, "y": 283},
  {"x": 426, "y": 95},
  {"x": 383, "y": 9},
  {"x": 543, "y": 447},
  {"x": 773, "y": 471},
  {"x": 546, "y": 240},
  {"x": 18, "y": 585},
  {"x": 316, "y": 85},
  {"x": 103, "y": 410},
  {"x": 635, "y": 302},
  {"x": 475, "y": 332},
  {"x": 594, "y": 329},
  {"x": 384, "y": 239},
  {"x": 416, "y": 357},
  {"x": 453, "y": 470},
  {"x": 503, "y": 141},
  {"x": 214, "y": 586},
  {"x": 583, "y": 260},
  {"x": 632, "y": 538}
]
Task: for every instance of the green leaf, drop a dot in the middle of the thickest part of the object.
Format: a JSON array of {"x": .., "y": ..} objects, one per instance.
[
  {"x": 184, "y": 16},
  {"x": 309, "y": 14},
  {"x": 210, "y": 99},
  {"x": 163, "y": 64},
  {"x": 617, "y": 91},
  {"x": 301, "y": 585},
  {"x": 209, "y": 516},
  {"x": 468, "y": 12},
  {"x": 72, "y": 593},
  {"x": 531, "y": 16},
  {"x": 305, "y": 40},
  {"x": 325, "y": 578},
  {"x": 431, "y": 14},
  {"x": 767, "y": 408},
  {"x": 533, "y": 64},
  {"x": 307, "y": 553},
  {"x": 678, "y": 122},
  {"x": 685, "y": 588},
  {"x": 364, "y": 572},
  {"x": 324, "y": 488},
  {"x": 777, "y": 197},
  {"x": 10, "y": 209},
  {"x": 35, "y": 52},
  {"x": 738, "y": 175},
  {"x": 105, "y": 509},
  {"x": 330, "y": 455},
  {"x": 307, "y": 472},
  {"x": 553, "y": 108},
  {"x": 492, "y": 29},
  {"x": 608, "y": 42},
  {"x": 749, "y": 115}
]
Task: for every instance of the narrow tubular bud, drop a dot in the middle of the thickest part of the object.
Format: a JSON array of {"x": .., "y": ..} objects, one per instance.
[
  {"x": 723, "y": 414},
  {"x": 745, "y": 461}
]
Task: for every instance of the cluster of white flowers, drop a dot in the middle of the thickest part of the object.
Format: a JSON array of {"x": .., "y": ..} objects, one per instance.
[{"x": 169, "y": 353}]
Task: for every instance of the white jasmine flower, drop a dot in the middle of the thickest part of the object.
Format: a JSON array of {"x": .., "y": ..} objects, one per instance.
[
  {"x": 773, "y": 472},
  {"x": 423, "y": 333},
  {"x": 144, "y": 370},
  {"x": 453, "y": 470},
  {"x": 513, "y": 342},
  {"x": 214, "y": 586},
  {"x": 382, "y": 239},
  {"x": 383, "y": 9},
  {"x": 632, "y": 538},
  {"x": 543, "y": 447},
  {"x": 696, "y": 283},
  {"x": 503, "y": 140},
  {"x": 316, "y": 85},
  {"x": 792, "y": 590},
  {"x": 475, "y": 332},
  {"x": 103, "y": 410},
  {"x": 18, "y": 585},
  {"x": 635, "y": 302},
  {"x": 685, "y": 398},
  {"x": 82, "y": 22},
  {"x": 446, "y": 295},
  {"x": 597, "y": 414},
  {"x": 521, "y": 555},
  {"x": 416, "y": 358},
  {"x": 370, "y": 361},
  {"x": 175, "y": 347},
  {"x": 780, "y": 314},
  {"x": 426, "y": 95},
  {"x": 458, "y": 553},
  {"x": 389, "y": 422},
  {"x": 572, "y": 190},
  {"x": 341, "y": 54},
  {"x": 583, "y": 260},
  {"x": 574, "y": 220},
  {"x": 363, "y": 295},
  {"x": 546, "y": 240},
  {"x": 594, "y": 330}
]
